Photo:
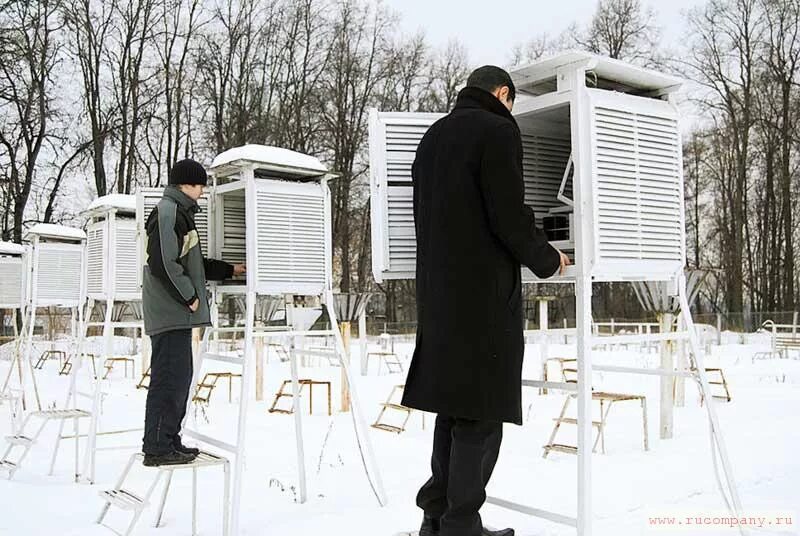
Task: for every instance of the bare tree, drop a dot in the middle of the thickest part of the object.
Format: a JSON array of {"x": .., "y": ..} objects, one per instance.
[
  {"x": 622, "y": 29},
  {"x": 723, "y": 58},
  {"x": 447, "y": 75},
  {"x": 407, "y": 61},
  {"x": 90, "y": 25},
  {"x": 29, "y": 54},
  {"x": 783, "y": 67},
  {"x": 132, "y": 39},
  {"x": 295, "y": 61},
  {"x": 543, "y": 45},
  {"x": 229, "y": 71},
  {"x": 354, "y": 74},
  {"x": 168, "y": 126}
]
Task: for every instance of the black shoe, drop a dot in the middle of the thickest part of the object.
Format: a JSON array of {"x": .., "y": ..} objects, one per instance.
[
  {"x": 430, "y": 527},
  {"x": 180, "y": 447},
  {"x": 171, "y": 458},
  {"x": 503, "y": 532}
]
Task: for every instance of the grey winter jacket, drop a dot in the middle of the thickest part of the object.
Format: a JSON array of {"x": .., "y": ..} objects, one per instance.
[{"x": 175, "y": 270}]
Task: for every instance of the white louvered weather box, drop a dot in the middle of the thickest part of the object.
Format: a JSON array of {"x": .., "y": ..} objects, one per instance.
[
  {"x": 111, "y": 261},
  {"x": 12, "y": 275},
  {"x": 595, "y": 131},
  {"x": 57, "y": 265},
  {"x": 146, "y": 201},
  {"x": 286, "y": 207}
]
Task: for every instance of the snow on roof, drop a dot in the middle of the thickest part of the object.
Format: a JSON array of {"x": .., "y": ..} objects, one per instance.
[
  {"x": 269, "y": 156},
  {"x": 51, "y": 230},
  {"x": 10, "y": 248},
  {"x": 121, "y": 202},
  {"x": 527, "y": 77}
]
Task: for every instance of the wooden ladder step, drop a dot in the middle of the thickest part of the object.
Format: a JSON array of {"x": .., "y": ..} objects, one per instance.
[
  {"x": 56, "y": 414},
  {"x": 124, "y": 500},
  {"x": 20, "y": 440},
  {"x": 572, "y": 420},
  {"x": 388, "y": 428},
  {"x": 569, "y": 449},
  {"x": 398, "y": 407},
  {"x": 284, "y": 411}
]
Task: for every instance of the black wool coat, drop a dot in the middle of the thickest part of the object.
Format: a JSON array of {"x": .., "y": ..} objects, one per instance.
[{"x": 473, "y": 233}]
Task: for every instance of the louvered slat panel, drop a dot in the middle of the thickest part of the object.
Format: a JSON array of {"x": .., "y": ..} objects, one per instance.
[
  {"x": 95, "y": 259},
  {"x": 233, "y": 247},
  {"x": 544, "y": 160},
  {"x": 126, "y": 271},
  {"x": 58, "y": 280},
  {"x": 401, "y": 147},
  {"x": 291, "y": 228},
  {"x": 637, "y": 163},
  {"x": 10, "y": 282},
  {"x": 393, "y": 141}
]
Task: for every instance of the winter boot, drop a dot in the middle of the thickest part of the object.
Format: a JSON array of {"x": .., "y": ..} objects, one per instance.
[
  {"x": 503, "y": 532},
  {"x": 180, "y": 447},
  {"x": 171, "y": 458}
]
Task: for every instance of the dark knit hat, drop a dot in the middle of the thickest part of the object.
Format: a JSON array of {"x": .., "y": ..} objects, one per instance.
[{"x": 188, "y": 172}]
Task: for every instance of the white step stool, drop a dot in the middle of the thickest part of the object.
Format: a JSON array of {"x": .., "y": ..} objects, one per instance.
[
  {"x": 20, "y": 440},
  {"x": 126, "y": 500}
]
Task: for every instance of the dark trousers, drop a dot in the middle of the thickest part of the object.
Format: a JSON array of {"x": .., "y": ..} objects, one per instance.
[
  {"x": 464, "y": 454},
  {"x": 168, "y": 394}
]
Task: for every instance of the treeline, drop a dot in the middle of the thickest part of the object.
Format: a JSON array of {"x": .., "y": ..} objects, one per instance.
[
  {"x": 100, "y": 96},
  {"x": 111, "y": 93}
]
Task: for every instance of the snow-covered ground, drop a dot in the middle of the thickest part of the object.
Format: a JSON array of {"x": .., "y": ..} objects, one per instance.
[{"x": 674, "y": 478}]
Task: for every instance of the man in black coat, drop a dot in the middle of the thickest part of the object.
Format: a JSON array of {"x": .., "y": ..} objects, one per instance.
[{"x": 473, "y": 234}]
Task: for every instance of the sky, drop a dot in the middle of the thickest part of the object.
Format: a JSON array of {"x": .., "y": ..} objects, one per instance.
[{"x": 490, "y": 28}]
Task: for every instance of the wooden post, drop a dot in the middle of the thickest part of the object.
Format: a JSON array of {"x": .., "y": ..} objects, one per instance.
[
  {"x": 196, "y": 342},
  {"x": 719, "y": 329},
  {"x": 544, "y": 346},
  {"x": 680, "y": 381},
  {"x": 667, "y": 363},
  {"x": 259, "y": 344},
  {"x": 362, "y": 337},
  {"x": 345, "y": 327},
  {"x": 147, "y": 351}
]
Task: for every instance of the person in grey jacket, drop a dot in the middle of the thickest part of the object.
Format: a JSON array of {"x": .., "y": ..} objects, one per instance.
[{"x": 175, "y": 300}]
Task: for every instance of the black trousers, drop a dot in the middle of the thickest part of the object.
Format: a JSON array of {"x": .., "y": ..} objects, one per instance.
[
  {"x": 464, "y": 454},
  {"x": 168, "y": 394}
]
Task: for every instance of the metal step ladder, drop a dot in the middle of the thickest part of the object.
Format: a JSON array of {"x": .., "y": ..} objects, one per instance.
[
  {"x": 144, "y": 383},
  {"x": 127, "y": 500},
  {"x": 722, "y": 392},
  {"x": 21, "y": 441},
  {"x": 390, "y": 359},
  {"x": 48, "y": 355},
  {"x": 393, "y": 403}
]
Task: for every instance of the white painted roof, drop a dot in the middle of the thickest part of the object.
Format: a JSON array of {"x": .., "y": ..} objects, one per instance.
[
  {"x": 121, "y": 202},
  {"x": 269, "y": 157},
  {"x": 51, "y": 230},
  {"x": 10, "y": 248},
  {"x": 606, "y": 68}
]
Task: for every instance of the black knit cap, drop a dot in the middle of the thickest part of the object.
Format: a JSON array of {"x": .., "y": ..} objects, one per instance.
[{"x": 188, "y": 172}]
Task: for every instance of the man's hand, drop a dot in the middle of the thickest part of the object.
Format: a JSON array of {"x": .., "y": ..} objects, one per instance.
[
  {"x": 194, "y": 305},
  {"x": 239, "y": 269},
  {"x": 564, "y": 262}
]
